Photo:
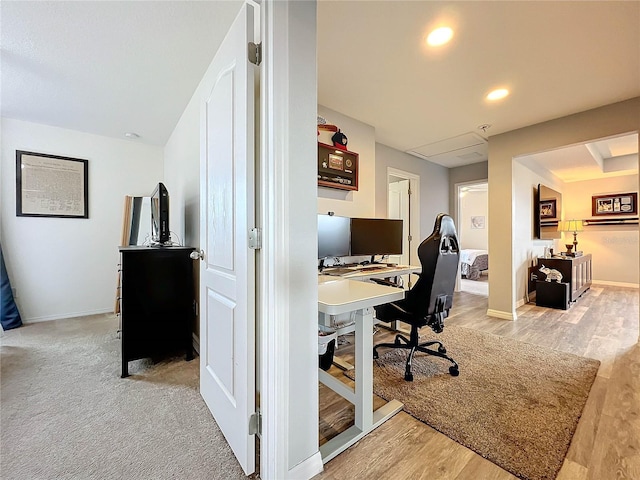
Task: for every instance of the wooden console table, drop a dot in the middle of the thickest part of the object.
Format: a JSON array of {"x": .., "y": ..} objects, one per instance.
[{"x": 576, "y": 271}]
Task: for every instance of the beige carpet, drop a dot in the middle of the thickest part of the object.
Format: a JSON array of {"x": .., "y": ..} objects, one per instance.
[
  {"x": 514, "y": 403},
  {"x": 67, "y": 414}
]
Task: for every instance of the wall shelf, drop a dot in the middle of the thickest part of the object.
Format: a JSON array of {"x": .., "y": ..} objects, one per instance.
[{"x": 611, "y": 221}]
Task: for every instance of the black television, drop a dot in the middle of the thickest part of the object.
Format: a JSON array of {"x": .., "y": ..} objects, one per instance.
[
  {"x": 334, "y": 236},
  {"x": 160, "y": 215},
  {"x": 376, "y": 236}
]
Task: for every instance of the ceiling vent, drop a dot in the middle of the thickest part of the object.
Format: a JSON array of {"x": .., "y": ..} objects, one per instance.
[{"x": 454, "y": 152}]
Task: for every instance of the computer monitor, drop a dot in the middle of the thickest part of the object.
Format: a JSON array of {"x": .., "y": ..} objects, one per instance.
[
  {"x": 333, "y": 236},
  {"x": 160, "y": 233},
  {"x": 376, "y": 236}
]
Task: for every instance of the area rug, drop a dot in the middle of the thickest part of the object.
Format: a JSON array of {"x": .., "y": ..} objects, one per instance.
[{"x": 514, "y": 403}]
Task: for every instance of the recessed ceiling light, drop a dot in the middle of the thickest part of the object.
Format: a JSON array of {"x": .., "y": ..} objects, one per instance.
[
  {"x": 131, "y": 135},
  {"x": 498, "y": 94},
  {"x": 439, "y": 36}
]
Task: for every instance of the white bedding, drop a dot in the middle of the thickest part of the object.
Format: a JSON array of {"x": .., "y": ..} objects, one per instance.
[
  {"x": 469, "y": 255},
  {"x": 473, "y": 262}
]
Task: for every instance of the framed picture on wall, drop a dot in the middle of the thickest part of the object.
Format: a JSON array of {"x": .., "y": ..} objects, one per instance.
[
  {"x": 548, "y": 208},
  {"x": 477, "y": 222},
  {"x": 51, "y": 186},
  {"x": 616, "y": 204}
]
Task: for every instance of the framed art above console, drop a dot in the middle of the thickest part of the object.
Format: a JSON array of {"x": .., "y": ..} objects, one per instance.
[
  {"x": 614, "y": 204},
  {"x": 337, "y": 168}
]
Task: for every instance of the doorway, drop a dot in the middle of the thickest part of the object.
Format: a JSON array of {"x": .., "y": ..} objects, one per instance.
[
  {"x": 472, "y": 213},
  {"x": 403, "y": 202}
]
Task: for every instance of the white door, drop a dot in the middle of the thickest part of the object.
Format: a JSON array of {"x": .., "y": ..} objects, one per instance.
[
  {"x": 227, "y": 213},
  {"x": 399, "y": 208}
]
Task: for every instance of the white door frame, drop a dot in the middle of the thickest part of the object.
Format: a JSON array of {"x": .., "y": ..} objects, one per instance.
[
  {"x": 456, "y": 209},
  {"x": 280, "y": 73},
  {"x": 414, "y": 202}
]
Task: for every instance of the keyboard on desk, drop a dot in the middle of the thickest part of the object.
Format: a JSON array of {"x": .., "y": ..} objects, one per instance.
[
  {"x": 339, "y": 271},
  {"x": 375, "y": 267}
]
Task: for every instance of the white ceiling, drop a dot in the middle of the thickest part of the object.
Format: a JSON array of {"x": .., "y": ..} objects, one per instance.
[
  {"x": 108, "y": 67},
  {"x": 604, "y": 158},
  {"x": 113, "y": 67}
]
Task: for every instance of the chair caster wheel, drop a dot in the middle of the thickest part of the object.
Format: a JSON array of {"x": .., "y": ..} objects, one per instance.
[
  {"x": 375, "y": 354},
  {"x": 408, "y": 377},
  {"x": 441, "y": 349},
  {"x": 454, "y": 371}
]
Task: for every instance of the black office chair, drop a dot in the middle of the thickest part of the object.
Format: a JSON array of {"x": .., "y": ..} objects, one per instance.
[{"x": 429, "y": 300}]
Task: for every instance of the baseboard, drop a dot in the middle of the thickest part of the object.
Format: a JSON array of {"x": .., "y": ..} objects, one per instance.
[
  {"x": 615, "y": 284},
  {"x": 501, "y": 314},
  {"x": 63, "y": 316},
  {"x": 308, "y": 468},
  {"x": 520, "y": 302}
]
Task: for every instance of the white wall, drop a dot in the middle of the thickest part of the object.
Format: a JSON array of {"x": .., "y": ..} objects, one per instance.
[
  {"x": 614, "y": 247},
  {"x": 528, "y": 248},
  {"x": 302, "y": 250},
  {"x": 474, "y": 204},
  {"x": 182, "y": 176},
  {"x": 68, "y": 267},
  {"x": 434, "y": 185},
  {"x": 361, "y": 140}
]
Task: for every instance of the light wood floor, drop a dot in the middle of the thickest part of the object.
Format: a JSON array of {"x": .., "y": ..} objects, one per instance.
[{"x": 603, "y": 324}]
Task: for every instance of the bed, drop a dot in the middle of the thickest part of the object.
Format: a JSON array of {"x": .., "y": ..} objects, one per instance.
[{"x": 473, "y": 262}]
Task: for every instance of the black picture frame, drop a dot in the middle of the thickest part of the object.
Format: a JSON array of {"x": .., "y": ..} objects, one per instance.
[
  {"x": 614, "y": 204},
  {"x": 548, "y": 208},
  {"x": 51, "y": 186}
]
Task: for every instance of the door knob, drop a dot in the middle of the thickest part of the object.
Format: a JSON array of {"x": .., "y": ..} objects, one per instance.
[{"x": 197, "y": 255}]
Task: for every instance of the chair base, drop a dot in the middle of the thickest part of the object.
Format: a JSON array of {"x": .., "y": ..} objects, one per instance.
[{"x": 413, "y": 346}]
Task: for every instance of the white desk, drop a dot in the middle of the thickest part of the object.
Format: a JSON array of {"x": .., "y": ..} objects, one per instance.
[
  {"x": 364, "y": 275},
  {"x": 336, "y": 296}
]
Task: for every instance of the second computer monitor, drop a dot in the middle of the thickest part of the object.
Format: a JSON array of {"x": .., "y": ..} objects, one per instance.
[
  {"x": 333, "y": 236},
  {"x": 376, "y": 236}
]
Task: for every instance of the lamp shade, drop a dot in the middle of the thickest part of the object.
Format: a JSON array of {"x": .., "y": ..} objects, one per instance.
[{"x": 570, "y": 226}]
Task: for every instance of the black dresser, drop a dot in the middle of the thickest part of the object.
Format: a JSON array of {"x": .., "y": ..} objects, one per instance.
[
  {"x": 157, "y": 302},
  {"x": 576, "y": 271}
]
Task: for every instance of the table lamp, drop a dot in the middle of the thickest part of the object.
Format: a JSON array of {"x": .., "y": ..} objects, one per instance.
[{"x": 573, "y": 226}]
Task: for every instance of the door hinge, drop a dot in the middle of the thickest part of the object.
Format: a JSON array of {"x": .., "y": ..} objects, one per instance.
[
  {"x": 255, "y": 424},
  {"x": 409, "y": 192},
  {"x": 255, "y": 239},
  {"x": 255, "y": 53}
]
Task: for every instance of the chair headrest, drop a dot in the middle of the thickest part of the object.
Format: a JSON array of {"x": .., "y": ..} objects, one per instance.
[{"x": 444, "y": 225}]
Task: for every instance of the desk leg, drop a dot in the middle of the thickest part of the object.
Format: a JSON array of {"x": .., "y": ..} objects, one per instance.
[
  {"x": 364, "y": 369},
  {"x": 362, "y": 397}
]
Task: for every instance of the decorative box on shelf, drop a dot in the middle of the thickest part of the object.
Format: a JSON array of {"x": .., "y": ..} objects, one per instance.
[{"x": 337, "y": 168}]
